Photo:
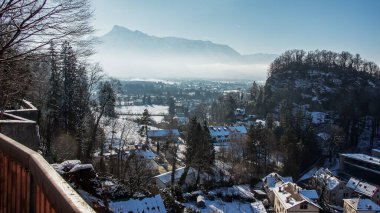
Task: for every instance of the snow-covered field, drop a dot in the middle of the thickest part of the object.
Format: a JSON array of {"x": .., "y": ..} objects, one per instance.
[{"x": 152, "y": 109}]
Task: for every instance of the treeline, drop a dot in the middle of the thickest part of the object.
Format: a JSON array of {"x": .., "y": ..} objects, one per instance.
[
  {"x": 300, "y": 60},
  {"x": 355, "y": 96},
  {"x": 70, "y": 112},
  {"x": 44, "y": 48}
]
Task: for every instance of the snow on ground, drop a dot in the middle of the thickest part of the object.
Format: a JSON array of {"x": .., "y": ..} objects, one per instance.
[
  {"x": 220, "y": 206},
  {"x": 242, "y": 191},
  {"x": 152, "y": 204},
  {"x": 152, "y": 109},
  {"x": 155, "y": 110}
]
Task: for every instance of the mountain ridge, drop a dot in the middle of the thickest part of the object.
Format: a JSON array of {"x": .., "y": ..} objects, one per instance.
[{"x": 124, "y": 49}]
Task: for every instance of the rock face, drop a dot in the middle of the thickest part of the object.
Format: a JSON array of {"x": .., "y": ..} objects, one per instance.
[{"x": 21, "y": 130}]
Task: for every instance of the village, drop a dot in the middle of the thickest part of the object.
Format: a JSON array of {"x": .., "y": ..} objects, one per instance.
[{"x": 342, "y": 182}]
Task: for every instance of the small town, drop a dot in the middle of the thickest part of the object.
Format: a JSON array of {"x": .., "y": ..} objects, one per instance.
[{"x": 189, "y": 106}]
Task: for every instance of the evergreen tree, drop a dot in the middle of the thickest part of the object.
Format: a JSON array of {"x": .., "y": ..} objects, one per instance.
[
  {"x": 107, "y": 99},
  {"x": 171, "y": 105},
  {"x": 53, "y": 102},
  {"x": 144, "y": 121},
  {"x": 200, "y": 153}
]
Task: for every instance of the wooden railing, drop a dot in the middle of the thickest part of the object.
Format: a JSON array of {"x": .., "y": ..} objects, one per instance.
[{"x": 29, "y": 184}]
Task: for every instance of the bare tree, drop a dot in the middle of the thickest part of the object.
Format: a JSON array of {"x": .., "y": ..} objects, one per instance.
[{"x": 29, "y": 26}]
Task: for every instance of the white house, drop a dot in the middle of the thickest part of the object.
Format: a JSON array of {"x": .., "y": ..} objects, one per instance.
[
  {"x": 273, "y": 180},
  {"x": 288, "y": 199},
  {"x": 164, "y": 180},
  {"x": 334, "y": 189},
  {"x": 223, "y": 135},
  {"x": 364, "y": 188},
  {"x": 360, "y": 205}
]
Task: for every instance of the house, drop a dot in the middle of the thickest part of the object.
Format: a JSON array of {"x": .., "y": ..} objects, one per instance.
[
  {"x": 164, "y": 180},
  {"x": 181, "y": 119},
  {"x": 311, "y": 194},
  {"x": 152, "y": 204},
  {"x": 159, "y": 134},
  {"x": 361, "y": 166},
  {"x": 364, "y": 188},
  {"x": 288, "y": 199},
  {"x": 258, "y": 207},
  {"x": 272, "y": 181},
  {"x": 239, "y": 113},
  {"x": 360, "y": 205},
  {"x": 223, "y": 135},
  {"x": 333, "y": 189}
]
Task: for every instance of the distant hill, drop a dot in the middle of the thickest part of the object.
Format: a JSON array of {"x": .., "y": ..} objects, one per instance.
[
  {"x": 342, "y": 85},
  {"x": 128, "y": 53}
]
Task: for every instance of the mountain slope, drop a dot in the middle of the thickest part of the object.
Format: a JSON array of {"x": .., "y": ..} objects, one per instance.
[
  {"x": 125, "y": 40},
  {"x": 331, "y": 88},
  {"x": 128, "y": 53}
]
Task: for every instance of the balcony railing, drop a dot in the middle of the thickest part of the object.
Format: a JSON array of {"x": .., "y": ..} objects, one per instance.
[{"x": 29, "y": 184}]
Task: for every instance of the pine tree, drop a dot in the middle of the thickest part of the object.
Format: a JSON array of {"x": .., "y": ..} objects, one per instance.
[
  {"x": 200, "y": 153},
  {"x": 54, "y": 101},
  {"x": 145, "y": 121},
  {"x": 171, "y": 105}
]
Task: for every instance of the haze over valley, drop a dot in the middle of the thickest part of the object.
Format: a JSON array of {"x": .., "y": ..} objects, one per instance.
[{"x": 124, "y": 53}]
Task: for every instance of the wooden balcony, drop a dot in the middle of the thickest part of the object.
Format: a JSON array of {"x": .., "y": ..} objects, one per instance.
[{"x": 29, "y": 184}]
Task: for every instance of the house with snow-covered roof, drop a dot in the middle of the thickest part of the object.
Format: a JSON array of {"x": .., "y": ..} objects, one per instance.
[
  {"x": 310, "y": 193},
  {"x": 288, "y": 199},
  {"x": 223, "y": 135},
  {"x": 360, "y": 205},
  {"x": 163, "y": 133},
  {"x": 363, "y": 188},
  {"x": 164, "y": 180},
  {"x": 361, "y": 166},
  {"x": 258, "y": 207},
  {"x": 334, "y": 190},
  {"x": 272, "y": 181}
]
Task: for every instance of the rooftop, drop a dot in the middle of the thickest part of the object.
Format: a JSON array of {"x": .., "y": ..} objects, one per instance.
[
  {"x": 227, "y": 130},
  {"x": 163, "y": 133},
  {"x": 363, "y": 157},
  {"x": 290, "y": 196},
  {"x": 166, "y": 177},
  {"x": 362, "y": 204},
  {"x": 258, "y": 207},
  {"x": 362, "y": 187},
  {"x": 324, "y": 175}
]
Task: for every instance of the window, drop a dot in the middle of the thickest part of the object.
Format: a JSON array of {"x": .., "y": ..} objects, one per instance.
[{"x": 303, "y": 206}]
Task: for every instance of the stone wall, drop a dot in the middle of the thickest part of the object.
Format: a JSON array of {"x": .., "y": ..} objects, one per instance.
[
  {"x": 27, "y": 111},
  {"x": 21, "y": 130}
]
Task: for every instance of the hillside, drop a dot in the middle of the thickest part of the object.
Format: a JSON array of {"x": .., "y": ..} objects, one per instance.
[{"x": 343, "y": 87}]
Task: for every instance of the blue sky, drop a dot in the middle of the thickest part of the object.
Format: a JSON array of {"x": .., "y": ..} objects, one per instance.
[{"x": 252, "y": 26}]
